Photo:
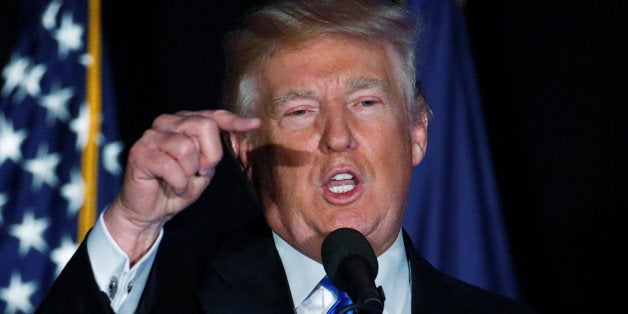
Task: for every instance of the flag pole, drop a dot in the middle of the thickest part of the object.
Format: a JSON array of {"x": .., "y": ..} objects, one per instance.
[{"x": 89, "y": 158}]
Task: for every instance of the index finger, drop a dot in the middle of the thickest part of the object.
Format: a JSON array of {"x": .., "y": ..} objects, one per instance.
[{"x": 229, "y": 121}]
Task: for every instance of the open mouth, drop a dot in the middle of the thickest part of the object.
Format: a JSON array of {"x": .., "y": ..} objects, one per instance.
[{"x": 342, "y": 183}]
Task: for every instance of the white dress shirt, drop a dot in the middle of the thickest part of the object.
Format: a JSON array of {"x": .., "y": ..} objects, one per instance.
[
  {"x": 124, "y": 284},
  {"x": 304, "y": 275}
]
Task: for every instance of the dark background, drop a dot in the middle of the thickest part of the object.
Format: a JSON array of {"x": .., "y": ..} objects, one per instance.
[{"x": 551, "y": 79}]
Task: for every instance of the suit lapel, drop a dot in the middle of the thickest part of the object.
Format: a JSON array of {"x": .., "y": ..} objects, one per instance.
[
  {"x": 430, "y": 294},
  {"x": 248, "y": 275}
]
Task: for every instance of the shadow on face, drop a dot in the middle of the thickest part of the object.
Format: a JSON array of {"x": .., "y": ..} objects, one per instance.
[{"x": 266, "y": 159}]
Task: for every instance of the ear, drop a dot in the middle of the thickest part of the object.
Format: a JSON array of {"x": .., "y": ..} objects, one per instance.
[
  {"x": 241, "y": 146},
  {"x": 419, "y": 139}
]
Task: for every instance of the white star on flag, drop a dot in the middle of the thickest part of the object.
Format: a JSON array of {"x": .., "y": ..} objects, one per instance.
[
  {"x": 10, "y": 141},
  {"x": 74, "y": 192},
  {"x": 17, "y": 295},
  {"x": 68, "y": 35},
  {"x": 111, "y": 154},
  {"x": 48, "y": 19},
  {"x": 62, "y": 254},
  {"x": 43, "y": 167},
  {"x": 13, "y": 74},
  {"x": 30, "y": 82},
  {"x": 56, "y": 103},
  {"x": 80, "y": 126},
  {"x": 30, "y": 233}
]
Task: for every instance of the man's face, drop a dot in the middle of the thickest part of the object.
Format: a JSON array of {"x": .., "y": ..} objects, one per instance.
[{"x": 335, "y": 148}]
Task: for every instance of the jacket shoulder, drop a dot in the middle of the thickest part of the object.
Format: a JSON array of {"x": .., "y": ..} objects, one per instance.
[{"x": 434, "y": 291}]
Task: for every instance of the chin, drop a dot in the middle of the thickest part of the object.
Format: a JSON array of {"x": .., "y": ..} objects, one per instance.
[{"x": 356, "y": 223}]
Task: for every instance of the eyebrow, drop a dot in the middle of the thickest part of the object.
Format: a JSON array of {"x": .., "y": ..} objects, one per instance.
[
  {"x": 359, "y": 83},
  {"x": 293, "y": 94},
  {"x": 366, "y": 83}
]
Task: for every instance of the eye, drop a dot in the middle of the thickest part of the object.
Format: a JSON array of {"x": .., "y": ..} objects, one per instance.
[
  {"x": 298, "y": 112},
  {"x": 367, "y": 103},
  {"x": 368, "y": 108},
  {"x": 297, "y": 116}
]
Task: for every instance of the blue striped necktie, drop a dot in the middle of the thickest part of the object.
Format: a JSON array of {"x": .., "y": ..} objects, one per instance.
[{"x": 343, "y": 297}]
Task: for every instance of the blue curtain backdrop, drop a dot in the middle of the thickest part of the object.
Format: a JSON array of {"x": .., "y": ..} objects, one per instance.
[
  {"x": 43, "y": 128},
  {"x": 453, "y": 213}
]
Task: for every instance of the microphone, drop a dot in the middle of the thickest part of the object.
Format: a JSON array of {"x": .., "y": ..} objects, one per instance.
[{"x": 351, "y": 265}]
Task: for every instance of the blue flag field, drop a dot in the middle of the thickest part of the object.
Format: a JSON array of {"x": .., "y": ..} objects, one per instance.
[{"x": 59, "y": 146}]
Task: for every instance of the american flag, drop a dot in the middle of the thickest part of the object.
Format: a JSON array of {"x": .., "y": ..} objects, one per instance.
[{"x": 49, "y": 121}]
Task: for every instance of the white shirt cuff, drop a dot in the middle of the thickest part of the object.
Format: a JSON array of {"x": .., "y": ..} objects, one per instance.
[{"x": 111, "y": 266}]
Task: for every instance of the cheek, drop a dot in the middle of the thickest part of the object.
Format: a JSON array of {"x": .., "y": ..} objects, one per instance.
[
  {"x": 393, "y": 157},
  {"x": 390, "y": 139},
  {"x": 281, "y": 170}
]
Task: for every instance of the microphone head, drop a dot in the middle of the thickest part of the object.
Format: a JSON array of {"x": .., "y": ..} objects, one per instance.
[{"x": 342, "y": 243}]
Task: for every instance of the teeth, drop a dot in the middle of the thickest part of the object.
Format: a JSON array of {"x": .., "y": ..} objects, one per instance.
[
  {"x": 345, "y": 186},
  {"x": 342, "y": 188},
  {"x": 343, "y": 176}
]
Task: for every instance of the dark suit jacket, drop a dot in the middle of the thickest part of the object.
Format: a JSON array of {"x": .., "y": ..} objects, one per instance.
[{"x": 242, "y": 273}]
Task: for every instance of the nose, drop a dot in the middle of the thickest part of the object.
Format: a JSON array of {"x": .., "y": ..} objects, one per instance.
[{"x": 337, "y": 135}]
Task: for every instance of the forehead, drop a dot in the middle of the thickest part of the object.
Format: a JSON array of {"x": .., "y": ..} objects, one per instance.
[{"x": 326, "y": 62}]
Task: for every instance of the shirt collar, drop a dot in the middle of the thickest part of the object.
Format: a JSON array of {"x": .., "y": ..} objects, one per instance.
[
  {"x": 304, "y": 273},
  {"x": 394, "y": 276}
]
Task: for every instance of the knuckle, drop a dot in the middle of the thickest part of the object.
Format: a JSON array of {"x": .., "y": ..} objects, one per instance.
[
  {"x": 162, "y": 120},
  {"x": 137, "y": 150}
]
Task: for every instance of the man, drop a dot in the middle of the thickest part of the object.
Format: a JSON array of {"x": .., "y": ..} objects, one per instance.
[{"x": 326, "y": 123}]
